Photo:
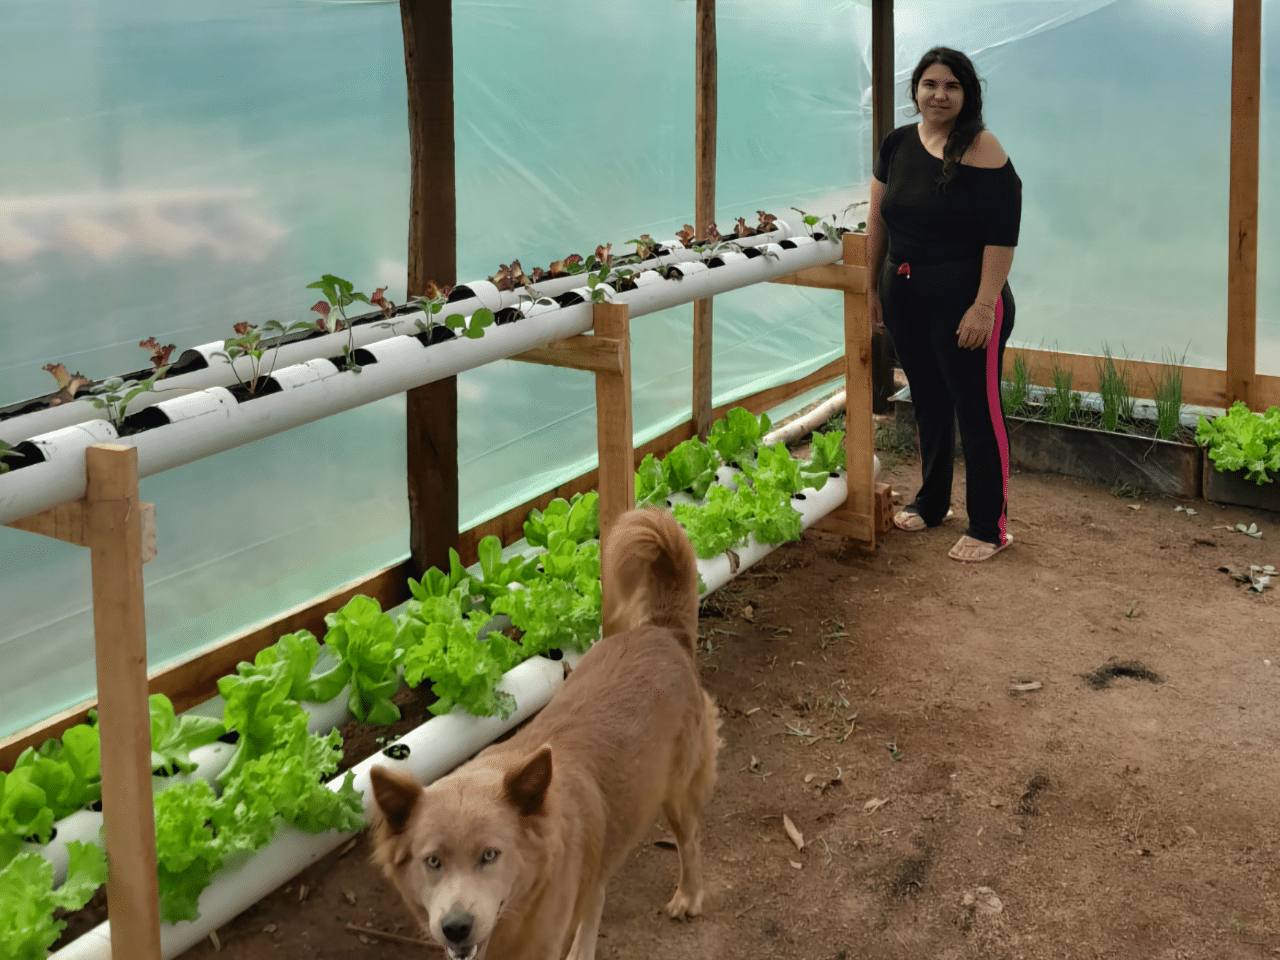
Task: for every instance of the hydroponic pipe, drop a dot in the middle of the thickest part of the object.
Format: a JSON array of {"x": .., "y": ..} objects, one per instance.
[
  {"x": 211, "y": 421},
  {"x": 797, "y": 428},
  {"x": 218, "y": 372},
  {"x": 435, "y": 748}
]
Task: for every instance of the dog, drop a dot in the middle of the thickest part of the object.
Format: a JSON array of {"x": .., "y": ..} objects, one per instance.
[{"x": 508, "y": 857}]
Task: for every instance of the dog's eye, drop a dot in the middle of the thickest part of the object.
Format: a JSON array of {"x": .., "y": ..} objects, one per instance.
[
  {"x": 432, "y": 862},
  {"x": 489, "y": 855}
]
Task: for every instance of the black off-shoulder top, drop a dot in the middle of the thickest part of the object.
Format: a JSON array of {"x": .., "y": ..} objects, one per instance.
[{"x": 926, "y": 223}]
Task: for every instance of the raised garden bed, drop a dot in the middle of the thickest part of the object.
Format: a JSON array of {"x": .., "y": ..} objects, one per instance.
[
  {"x": 1134, "y": 459},
  {"x": 1233, "y": 488}
]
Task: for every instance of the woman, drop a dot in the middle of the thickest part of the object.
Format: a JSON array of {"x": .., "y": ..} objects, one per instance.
[{"x": 945, "y": 210}]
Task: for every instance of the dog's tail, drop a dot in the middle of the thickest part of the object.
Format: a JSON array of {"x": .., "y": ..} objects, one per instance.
[{"x": 650, "y": 576}]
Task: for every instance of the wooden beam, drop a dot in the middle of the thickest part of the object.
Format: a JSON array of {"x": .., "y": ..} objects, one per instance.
[
  {"x": 614, "y": 429},
  {"x": 883, "y": 357},
  {"x": 829, "y": 276},
  {"x": 704, "y": 206},
  {"x": 431, "y": 412},
  {"x": 882, "y": 111},
  {"x": 69, "y": 522},
  {"x": 124, "y": 719},
  {"x": 1242, "y": 265},
  {"x": 597, "y": 354},
  {"x": 858, "y": 511}
]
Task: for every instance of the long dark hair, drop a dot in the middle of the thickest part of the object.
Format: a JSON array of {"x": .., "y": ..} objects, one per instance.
[{"x": 969, "y": 123}]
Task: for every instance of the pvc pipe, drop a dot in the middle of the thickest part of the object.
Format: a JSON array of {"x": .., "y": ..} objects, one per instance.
[
  {"x": 219, "y": 373},
  {"x": 719, "y": 570},
  {"x": 435, "y": 748},
  {"x": 212, "y": 421},
  {"x": 797, "y": 428}
]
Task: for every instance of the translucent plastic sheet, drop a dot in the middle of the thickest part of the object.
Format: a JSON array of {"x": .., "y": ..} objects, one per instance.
[{"x": 170, "y": 168}]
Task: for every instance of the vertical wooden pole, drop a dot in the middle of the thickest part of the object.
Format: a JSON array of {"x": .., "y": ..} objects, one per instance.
[
  {"x": 613, "y": 420},
  {"x": 124, "y": 720},
  {"x": 859, "y": 428},
  {"x": 704, "y": 207},
  {"x": 1242, "y": 269},
  {"x": 883, "y": 358},
  {"x": 431, "y": 411}
]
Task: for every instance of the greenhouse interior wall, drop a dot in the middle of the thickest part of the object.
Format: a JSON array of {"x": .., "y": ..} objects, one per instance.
[{"x": 170, "y": 169}]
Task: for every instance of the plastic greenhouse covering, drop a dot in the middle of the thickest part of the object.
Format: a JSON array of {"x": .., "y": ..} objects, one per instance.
[{"x": 171, "y": 167}]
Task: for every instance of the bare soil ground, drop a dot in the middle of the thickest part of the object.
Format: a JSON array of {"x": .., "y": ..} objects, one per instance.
[{"x": 1124, "y": 808}]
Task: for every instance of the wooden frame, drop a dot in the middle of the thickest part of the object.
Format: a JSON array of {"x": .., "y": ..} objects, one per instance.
[
  {"x": 110, "y": 521},
  {"x": 704, "y": 204}
]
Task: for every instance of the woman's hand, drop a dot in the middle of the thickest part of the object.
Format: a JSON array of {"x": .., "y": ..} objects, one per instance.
[
  {"x": 874, "y": 310},
  {"x": 976, "y": 326}
]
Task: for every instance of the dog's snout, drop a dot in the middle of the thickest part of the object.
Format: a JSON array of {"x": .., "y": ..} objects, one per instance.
[{"x": 457, "y": 925}]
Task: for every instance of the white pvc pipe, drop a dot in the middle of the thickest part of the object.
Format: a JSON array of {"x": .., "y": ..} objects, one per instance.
[
  {"x": 212, "y": 421},
  {"x": 219, "y": 373},
  {"x": 435, "y": 748},
  {"x": 797, "y": 428}
]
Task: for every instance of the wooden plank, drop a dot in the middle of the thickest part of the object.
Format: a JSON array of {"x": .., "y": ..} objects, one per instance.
[
  {"x": 850, "y": 525},
  {"x": 195, "y": 679},
  {"x": 829, "y": 276},
  {"x": 597, "y": 354},
  {"x": 431, "y": 413},
  {"x": 69, "y": 522},
  {"x": 706, "y": 79},
  {"x": 1242, "y": 266},
  {"x": 124, "y": 720},
  {"x": 859, "y": 434},
  {"x": 614, "y": 430}
]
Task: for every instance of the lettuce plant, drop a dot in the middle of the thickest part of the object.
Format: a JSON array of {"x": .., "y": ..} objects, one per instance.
[
  {"x": 651, "y": 482},
  {"x": 1243, "y": 440},
  {"x": 578, "y": 517},
  {"x": 290, "y": 662},
  {"x": 365, "y": 638},
  {"x": 774, "y": 469},
  {"x": 463, "y": 669},
  {"x": 555, "y": 614},
  {"x": 497, "y": 574},
  {"x": 173, "y": 738},
  {"x": 826, "y": 455},
  {"x": 28, "y": 898},
  {"x": 738, "y": 435},
  {"x": 691, "y": 466},
  {"x": 716, "y": 525}
]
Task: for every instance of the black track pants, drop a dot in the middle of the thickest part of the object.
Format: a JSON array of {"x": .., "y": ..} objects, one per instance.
[{"x": 949, "y": 385}]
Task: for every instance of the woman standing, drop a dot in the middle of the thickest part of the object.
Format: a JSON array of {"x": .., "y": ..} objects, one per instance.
[{"x": 945, "y": 210}]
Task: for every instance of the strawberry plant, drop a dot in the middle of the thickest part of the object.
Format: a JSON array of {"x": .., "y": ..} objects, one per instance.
[
  {"x": 69, "y": 384},
  {"x": 248, "y": 343},
  {"x": 340, "y": 294}
]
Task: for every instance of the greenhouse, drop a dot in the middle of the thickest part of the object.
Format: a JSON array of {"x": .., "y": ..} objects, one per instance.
[{"x": 340, "y": 333}]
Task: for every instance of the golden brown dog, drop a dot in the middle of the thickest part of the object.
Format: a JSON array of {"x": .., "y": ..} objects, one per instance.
[{"x": 507, "y": 857}]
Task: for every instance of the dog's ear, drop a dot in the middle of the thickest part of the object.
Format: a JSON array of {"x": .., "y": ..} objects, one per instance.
[
  {"x": 526, "y": 785},
  {"x": 396, "y": 793}
]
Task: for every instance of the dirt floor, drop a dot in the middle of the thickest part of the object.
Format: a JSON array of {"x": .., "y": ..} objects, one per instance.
[{"x": 1068, "y": 752}]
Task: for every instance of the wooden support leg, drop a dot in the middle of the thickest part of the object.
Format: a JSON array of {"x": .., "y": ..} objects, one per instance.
[
  {"x": 702, "y": 372},
  {"x": 613, "y": 420},
  {"x": 120, "y": 631},
  {"x": 432, "y": 437}
]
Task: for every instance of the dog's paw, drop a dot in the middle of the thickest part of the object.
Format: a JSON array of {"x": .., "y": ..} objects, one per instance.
[{"x": 683, "y": 906}]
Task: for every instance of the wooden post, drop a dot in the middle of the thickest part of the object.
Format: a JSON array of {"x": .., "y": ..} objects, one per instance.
[
  {"x": 431, "y": 412},
  {"x": 124, "y": 721},
  {"x": 883, "y": 358},
  {"x": 1242, "y": 269},
  {"x": 704, "y": 207},
  {"x": 859, "y": 429},
  {"x": 613, "y": 420}
]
